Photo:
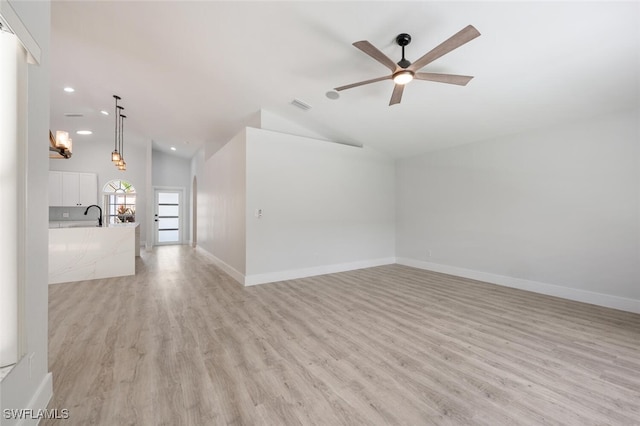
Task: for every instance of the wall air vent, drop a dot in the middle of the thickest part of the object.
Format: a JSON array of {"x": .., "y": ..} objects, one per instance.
[
  {"x": 302, "y": 105},
  {"x": 73, "y": 114}
]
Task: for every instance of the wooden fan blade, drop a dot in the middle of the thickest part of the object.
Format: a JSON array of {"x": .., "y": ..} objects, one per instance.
[
  {"x": 460, "y": 80},
  {"x": 463, "y": 36},
  {"x": 396, "y": 96},
  {"x": 376, "y": 54},
  {"x": 361, "y": 83}
]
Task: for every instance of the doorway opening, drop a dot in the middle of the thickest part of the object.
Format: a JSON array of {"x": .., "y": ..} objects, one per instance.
[{"x": 168, "y": 216}]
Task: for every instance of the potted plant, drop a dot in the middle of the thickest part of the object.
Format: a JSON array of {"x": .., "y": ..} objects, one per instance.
[{"x": 122, "y": 212}]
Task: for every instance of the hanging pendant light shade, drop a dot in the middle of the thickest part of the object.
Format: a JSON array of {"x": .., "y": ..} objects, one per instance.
[{"x": 115, "y": 155}]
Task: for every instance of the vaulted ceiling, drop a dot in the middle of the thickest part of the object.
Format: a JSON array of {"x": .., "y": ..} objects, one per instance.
[{"x": 193, "y": 73}]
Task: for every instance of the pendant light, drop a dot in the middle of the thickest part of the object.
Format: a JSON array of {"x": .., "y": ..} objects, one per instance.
[
  {"x": 122, "y": 165},
  {"x": 115, "y": 155}
]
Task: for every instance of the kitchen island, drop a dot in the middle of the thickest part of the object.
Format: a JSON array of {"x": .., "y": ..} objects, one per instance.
[{"x": 79, "y": 253}]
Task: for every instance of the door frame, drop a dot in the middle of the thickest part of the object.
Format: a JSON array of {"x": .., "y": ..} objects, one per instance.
[{"x": 181, "y": 192}]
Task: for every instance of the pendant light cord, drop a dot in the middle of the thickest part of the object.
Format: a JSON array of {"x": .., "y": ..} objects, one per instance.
[
  {"x": 122, "y": 117},
  {"x": 116, "y": 131}
]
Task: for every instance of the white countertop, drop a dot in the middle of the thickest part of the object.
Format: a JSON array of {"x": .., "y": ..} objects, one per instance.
[
  {"x": 73, "y": 224},
  {"x": 88, "y": 224},
  {"x": 123, "y": 225}
]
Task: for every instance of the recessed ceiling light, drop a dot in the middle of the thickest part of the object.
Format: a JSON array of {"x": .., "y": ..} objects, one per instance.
[
  {"x": 69, "y": 89},
  {"x": 103, "y": 112},
  {"x": 173, "y": 148},
  {"x": 84, "y": 132}
]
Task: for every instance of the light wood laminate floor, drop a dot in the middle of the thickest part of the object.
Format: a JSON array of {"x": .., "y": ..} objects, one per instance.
[{"x": 181, "y": 343}]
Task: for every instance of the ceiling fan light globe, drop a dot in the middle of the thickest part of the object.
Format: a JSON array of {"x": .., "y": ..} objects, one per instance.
[{"x": 403, "y": 77}]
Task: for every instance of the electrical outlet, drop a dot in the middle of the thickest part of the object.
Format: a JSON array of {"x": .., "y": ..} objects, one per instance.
[
  {"x": 65, "y": 214},
  {"x": 428, "y": 253}
]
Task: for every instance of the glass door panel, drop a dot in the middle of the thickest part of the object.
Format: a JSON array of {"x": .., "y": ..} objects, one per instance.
[{"x": 168, "y": 219}]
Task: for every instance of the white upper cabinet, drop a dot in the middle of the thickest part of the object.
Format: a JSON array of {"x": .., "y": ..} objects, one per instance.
[
  {"x": 72, "y": 189},
  {"x": 87, "y": 189}
]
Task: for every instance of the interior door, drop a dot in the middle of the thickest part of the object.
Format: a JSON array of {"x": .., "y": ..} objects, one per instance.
[{"x": 168, "y": 216}]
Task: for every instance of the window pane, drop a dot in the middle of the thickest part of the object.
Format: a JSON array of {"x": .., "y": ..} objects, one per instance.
[
  {"x": 168, "y": 211},
  {"x": 167, "y": 236},
  {"x": 168, "y": 197},
  {"x": 168, "y": 223},
  {"x": 119, "y": 186}
]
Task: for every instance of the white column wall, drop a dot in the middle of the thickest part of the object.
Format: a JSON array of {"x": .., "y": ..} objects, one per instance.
[
  {"x": 29, "y": 385},
  {"x": 11, "y": 57}
]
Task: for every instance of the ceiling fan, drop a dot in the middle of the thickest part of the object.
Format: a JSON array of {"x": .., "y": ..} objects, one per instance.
[{"x": 404, "y": 71}]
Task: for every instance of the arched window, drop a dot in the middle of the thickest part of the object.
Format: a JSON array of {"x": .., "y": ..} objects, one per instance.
[{"x": 119, "y": 201}]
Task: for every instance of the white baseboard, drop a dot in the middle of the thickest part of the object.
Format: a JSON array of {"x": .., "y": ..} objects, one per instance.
[
  {"x": 317, "y": 270},
  {"x": 600, "y": 299},
  {"x": 40, "y": 400},
  {"x": 234, "y": 273},
  {"x": 255, "y": 279}
]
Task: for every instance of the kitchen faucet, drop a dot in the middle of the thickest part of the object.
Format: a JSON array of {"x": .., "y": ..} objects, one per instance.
[{"x": 99, "y": 217}]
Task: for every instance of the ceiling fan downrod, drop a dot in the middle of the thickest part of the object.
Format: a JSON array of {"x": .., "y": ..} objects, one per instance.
[{"x": 403, "y": 40}]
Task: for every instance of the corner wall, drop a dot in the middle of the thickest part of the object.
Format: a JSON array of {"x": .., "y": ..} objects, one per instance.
[
  {"x": 326, "y": 207},
  {"x": 555, "y": 211},
  {"x": 222, "y": 204}
]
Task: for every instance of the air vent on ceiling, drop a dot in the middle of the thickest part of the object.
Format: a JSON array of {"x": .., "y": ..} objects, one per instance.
[
  {"x": 302, "y": 105},
  {"x": 73, "y": 114}
]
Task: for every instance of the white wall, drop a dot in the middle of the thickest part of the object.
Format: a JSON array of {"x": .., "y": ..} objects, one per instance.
[
  {"x": 174, "y": 172},
  {"x": 28, "y": 385},
  {"x": 555, "y": 211},
  {"x": 325, "y": 207},
  {"x": 91, "y": 156},
  {"x": 222, "y": 204}
]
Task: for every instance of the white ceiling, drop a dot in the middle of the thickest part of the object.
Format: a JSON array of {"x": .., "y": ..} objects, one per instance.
[{"x": 191, "y": 73}]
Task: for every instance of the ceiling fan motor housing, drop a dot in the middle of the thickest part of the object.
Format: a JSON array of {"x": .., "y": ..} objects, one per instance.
[{"x": 403, "y": 39}]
